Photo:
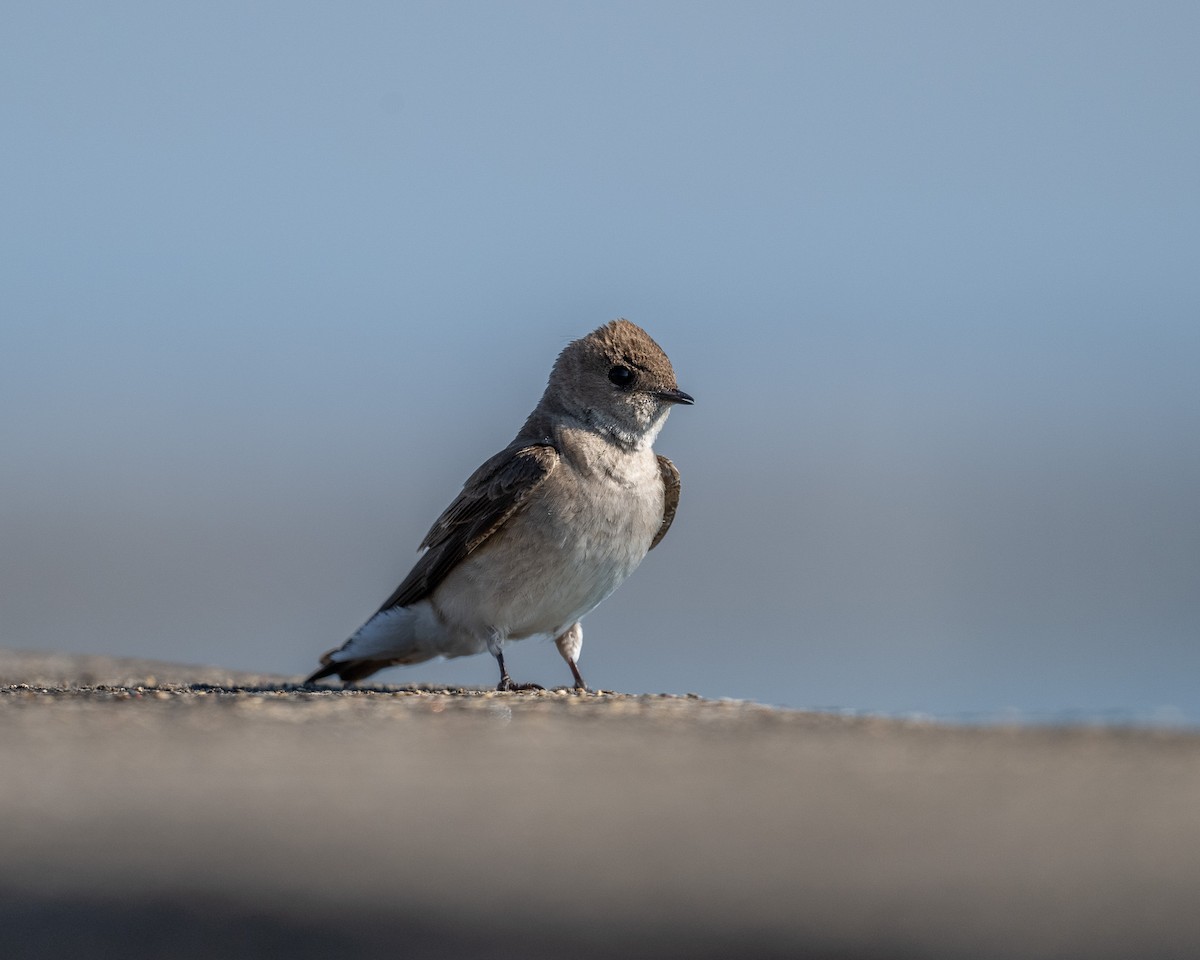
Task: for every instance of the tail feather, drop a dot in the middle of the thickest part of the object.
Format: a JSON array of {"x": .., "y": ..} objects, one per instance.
[
  {"x": 399, "y": 635},
  {"x": 388, "y": 639},
  {"x": 348, "y": 671},
  {"x": 327, "y": 668}
]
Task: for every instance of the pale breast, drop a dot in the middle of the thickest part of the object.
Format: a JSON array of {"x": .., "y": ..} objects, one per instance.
[{"x": 579, "y": 537}]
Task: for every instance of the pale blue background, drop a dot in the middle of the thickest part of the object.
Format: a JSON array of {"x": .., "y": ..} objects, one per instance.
[{"x": 276, "y": 277}]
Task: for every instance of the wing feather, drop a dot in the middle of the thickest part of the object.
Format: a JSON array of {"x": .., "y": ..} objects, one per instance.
[
  {"x": 670, "y": 479},
  {"x": 492, "y": 494}
]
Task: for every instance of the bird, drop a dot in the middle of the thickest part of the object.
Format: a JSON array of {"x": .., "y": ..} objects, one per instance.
[{"x": 547, "y": 528}]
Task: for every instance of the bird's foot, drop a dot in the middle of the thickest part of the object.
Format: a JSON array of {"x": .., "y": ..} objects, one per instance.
[{"x": 507, "y": 685}]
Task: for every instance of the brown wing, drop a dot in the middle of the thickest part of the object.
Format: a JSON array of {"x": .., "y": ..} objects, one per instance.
[
  {"x": 493, "y": 493},
  {"x": 670, "y": 479}
]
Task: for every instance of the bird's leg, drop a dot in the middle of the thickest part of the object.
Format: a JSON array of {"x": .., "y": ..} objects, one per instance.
[
  {"x": 570, "y": 643},
  {"x": 579, "y": 684},
  {"x": 506, "y": 682},
  {"x": 495, "y": 645}
]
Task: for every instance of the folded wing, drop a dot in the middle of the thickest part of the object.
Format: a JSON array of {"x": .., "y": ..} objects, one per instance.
[{"x": 492, "y": 494}]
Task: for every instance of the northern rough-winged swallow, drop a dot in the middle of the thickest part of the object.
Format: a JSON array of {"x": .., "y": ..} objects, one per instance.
[{"x": 545, "y": 529}]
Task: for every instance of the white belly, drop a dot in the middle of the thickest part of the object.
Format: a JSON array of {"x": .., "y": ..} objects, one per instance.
[{"x": 556, "y": 560}]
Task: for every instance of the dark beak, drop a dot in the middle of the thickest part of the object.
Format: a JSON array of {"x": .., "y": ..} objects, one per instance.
[{"x": 674, "y": 396}]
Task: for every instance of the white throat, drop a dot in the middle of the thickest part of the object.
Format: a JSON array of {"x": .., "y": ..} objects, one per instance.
[{"x": 633, "y": 440}]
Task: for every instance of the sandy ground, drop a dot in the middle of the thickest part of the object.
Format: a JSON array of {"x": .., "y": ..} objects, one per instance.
[{"x": 156, "y": 810}]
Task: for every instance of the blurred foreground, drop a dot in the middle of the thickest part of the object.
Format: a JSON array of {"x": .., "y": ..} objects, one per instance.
[{"x": 159, "y": 810}]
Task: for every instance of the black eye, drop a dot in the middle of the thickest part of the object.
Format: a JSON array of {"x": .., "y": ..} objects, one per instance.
[{"x": 621, "y": 376}]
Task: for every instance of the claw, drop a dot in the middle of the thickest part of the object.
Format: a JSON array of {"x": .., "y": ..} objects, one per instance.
[{"x": 506, "y": 684}]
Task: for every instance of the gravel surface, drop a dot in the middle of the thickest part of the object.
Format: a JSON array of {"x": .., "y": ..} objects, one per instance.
[{"x": 161, "y": 810}]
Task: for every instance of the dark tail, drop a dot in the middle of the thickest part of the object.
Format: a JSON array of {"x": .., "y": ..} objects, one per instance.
[
  {"x": 348, "y": 671},
  {"x": 328, "y": 670}
]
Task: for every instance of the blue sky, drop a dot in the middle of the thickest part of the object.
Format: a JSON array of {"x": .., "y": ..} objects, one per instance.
[{"x": 276, "y": 277}]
